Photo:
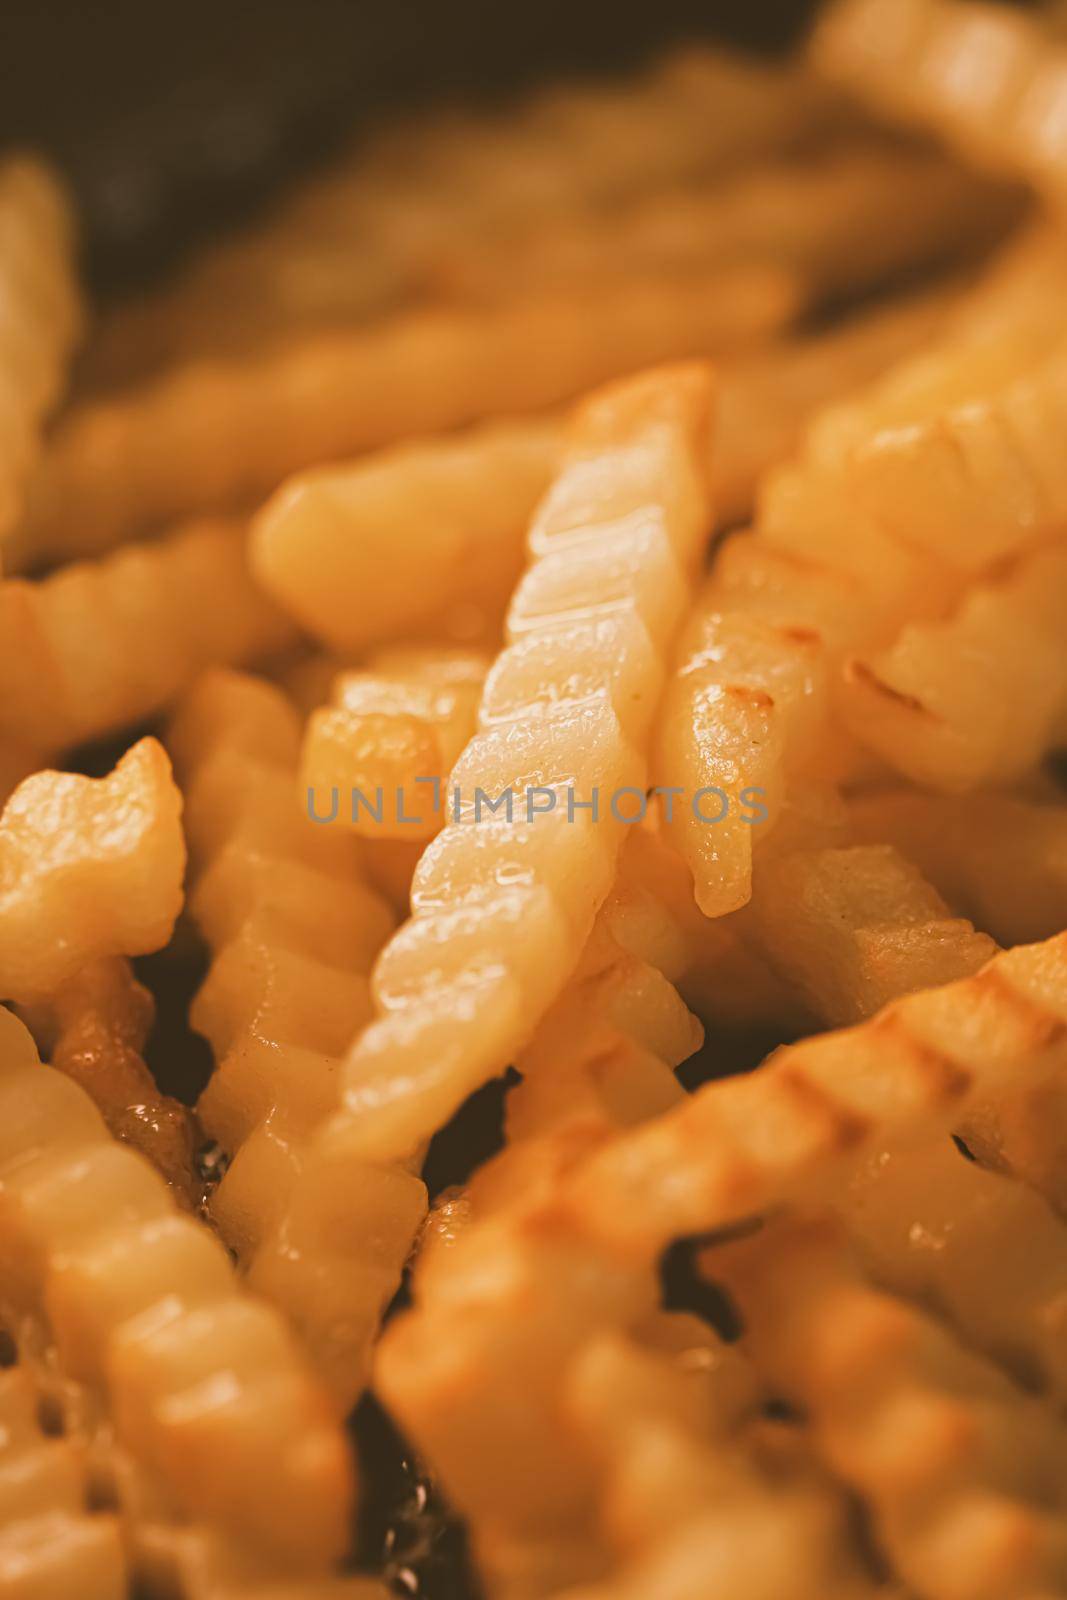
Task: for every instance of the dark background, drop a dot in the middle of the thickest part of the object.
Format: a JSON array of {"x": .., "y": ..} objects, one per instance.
[{"x": 170, "y": 116}]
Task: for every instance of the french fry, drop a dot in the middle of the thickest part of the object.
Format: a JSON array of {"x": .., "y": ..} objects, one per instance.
[
  {"x": 212, "y": 1399},
  {"x": 326, "y": 541},
  {"x": 51, "y": 1543},
  {"x": 820, "y": 220},
  {"x": 987, "y": 79},
  {"x": 934, "y": 1226},
  {"x": 449, "y": 1016},
  {"x": 976, "y": 699},
  {"x": 999, "y": 859},
  {"x": 758, "y": 686},
  {"x": 963, "y": 1471},
  {"x": 89, "y": 868},
  {"x": 687, "y": 1500},
  {"x": 373, "y": 231},
  {"x": 102, "y": 645},
  {"x": 213, "y": 434},
  {"x": 101, "y": 1019},
  {"x": 292, "y": 930},
  {"x": 380, "y": 755},
  {"x": 939, "y": 1059},
  {"x": 325, "y": 546},
  {"x": 855, "y": 927},
  {"x": 40, "y": 318}
]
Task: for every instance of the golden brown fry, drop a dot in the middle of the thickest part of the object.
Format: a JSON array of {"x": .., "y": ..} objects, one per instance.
[
  {"x": 502, "y": 910},
  {"x": 932, "y": 1060},
  {"x": 40, "y": 317},
  {"x": 292, "y": 930},
  {"x": 379, "y": 757},
  {"x": 937, "y": 1227},
  {"x": 978, "y": 698},
  {"x": 688, "y": 1502},
  {"x": 211, "y": 1399},
  {"x": 211, "y": 435},
  {"x": 50, "y": 1542},
  {"x": 89, "y": 867},
  {"x": 376, "y": 230},
  {"x": 965, "y": 1473},
  {"x": 101, "y": 645},
  {"x": 854, "y": 927},
  {"x": 326, "y": 545},
  {"x": 987, "y": 78},
  {"x": 822, "y": 220},
  {"x": 100, "y": 1020},
  {"x": 999, "y": 859}
]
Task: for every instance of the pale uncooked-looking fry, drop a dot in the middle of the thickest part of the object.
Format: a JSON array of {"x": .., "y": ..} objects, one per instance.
[
  {"x": 975, "y": 700},
  {"x": 854, "y": 927},
  {"x": 965, "y": 1474},
  {"x": 40, "y": 317},
  {"x": 104, "y": 644},
  {"x": 991, "y": 80},
  {"x": 205, "y": 1387},
  {"x": 89, "y": 867},
  {"x": 337, "y": 546},
  {"x": 377, "y": 759},
  {"x": 210, "y": 435},
  {"x": 50, "y": 1542},
  {"x": 373, "y": 231},
  {"x": 999, "y": 859},
  {"x": 100, "y": 1020},
  {"x": 985, "y": 1251},
  {"x": 292, "y": 929},
  {"x": 502, "y": 910}
]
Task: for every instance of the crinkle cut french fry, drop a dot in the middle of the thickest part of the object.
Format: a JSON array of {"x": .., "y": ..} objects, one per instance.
[
  {"x": 999, "y": 859},
  {"x": 212, "y": 434},
  {"x": 937, "y": 1227},
  {"x": 212, "y": 1398},
  {"x": 104, "y": 644},
  {"x": 975, "y": 699},
  {"x": 373, "y": 231},
  {"x": 854, "y": 927},
  {"x": 327, "y": 540},
  {"x": 989, "y": 79},
  {"x": 291, "y": 925},
  {"x": 89, "y": 867},
  {"x": 931, "y": 1060},
  {"x": 937, "y": 504},
  {"x": 768, "y": 397},
  {"x": 381, "y": 753},
  {"x": 502, "y": 910},
  {"x": 688, "y": 1503},
  {"x": 101, "y": 1018},
  {"x": 40, "y": 316},
  {"x": 50, "y": 1542},
  {"x": 965, "y": 1474},
  {"x": 325, "y": 546},
  {"x": 821, "y": 220}
]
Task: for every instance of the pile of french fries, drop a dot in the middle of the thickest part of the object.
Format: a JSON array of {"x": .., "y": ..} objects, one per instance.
[{"x": 572, "y": 601}]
